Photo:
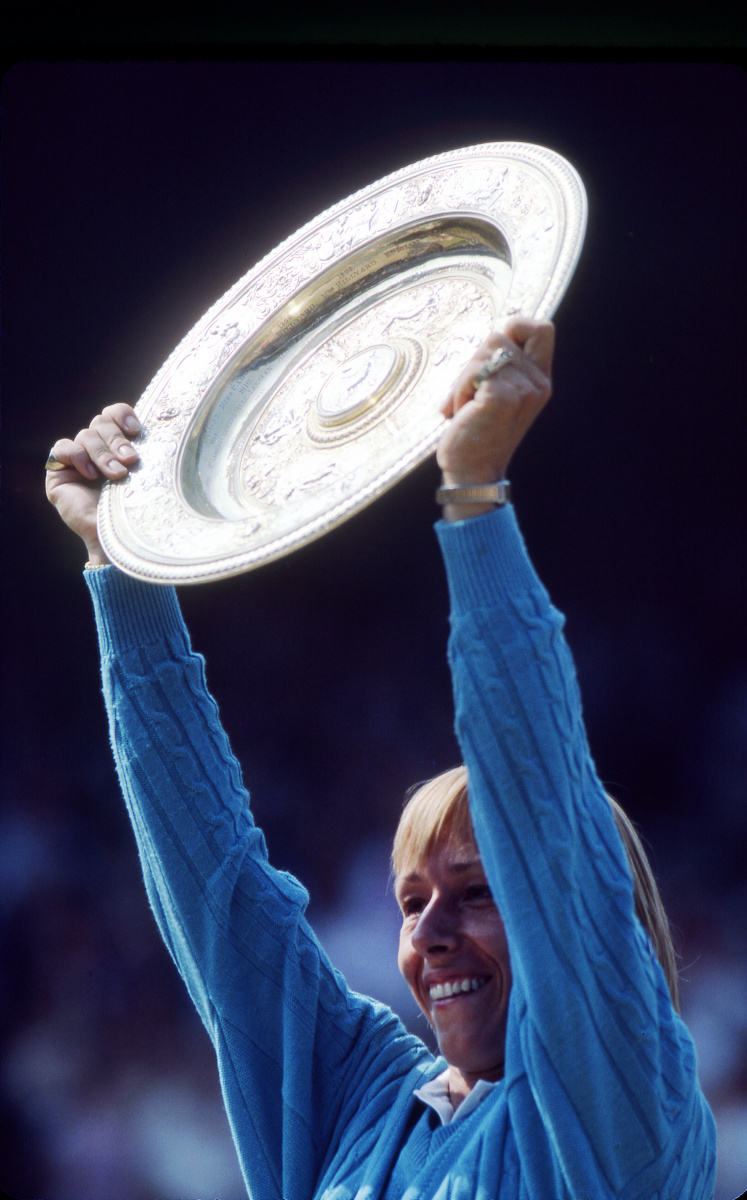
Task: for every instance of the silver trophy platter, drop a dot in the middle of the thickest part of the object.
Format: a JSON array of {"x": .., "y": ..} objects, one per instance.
[{"x": 314, "y": 384}]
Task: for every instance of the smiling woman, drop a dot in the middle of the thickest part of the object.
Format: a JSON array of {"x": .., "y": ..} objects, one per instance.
[
  {"x": 564, "y": 1068},
  {"x": 453, "y": 940},
  {"x": 453, "y": 951},
  {"x": 454, "y": 956}
]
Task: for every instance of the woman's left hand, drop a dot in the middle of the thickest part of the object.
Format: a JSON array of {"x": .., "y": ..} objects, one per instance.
[{"x": 488, "y": 421}]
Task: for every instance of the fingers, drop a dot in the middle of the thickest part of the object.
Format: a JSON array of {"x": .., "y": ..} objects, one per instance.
[
  {"x": 104, "y": 447},
  {"x": 536, "y": 339},
  {"x": 107, "y": 440},
  {"x": 529, "y": 370},
  {"x": 489, "y": 418},
  {"x": 532, "y": 343}
]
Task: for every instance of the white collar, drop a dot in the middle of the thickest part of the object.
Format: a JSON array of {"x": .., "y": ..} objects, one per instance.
[{"x": 436, "y": 1095}]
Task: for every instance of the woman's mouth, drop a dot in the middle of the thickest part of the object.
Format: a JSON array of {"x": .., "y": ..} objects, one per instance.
[{"x": 457, "y": 987}]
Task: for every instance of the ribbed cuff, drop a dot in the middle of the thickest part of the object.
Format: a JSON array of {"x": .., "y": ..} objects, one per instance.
[
  {"x": 486, "y": 560},
  {"x": 130, "y": 613}
]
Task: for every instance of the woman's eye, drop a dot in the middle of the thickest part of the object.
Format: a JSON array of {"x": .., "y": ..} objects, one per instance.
[
  {"x": 411, "y": 906},
  {"x": 479, "y": 891}
]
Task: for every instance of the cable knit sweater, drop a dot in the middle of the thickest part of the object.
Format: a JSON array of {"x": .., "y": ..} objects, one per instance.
[{"x": 600, "y": 1098}]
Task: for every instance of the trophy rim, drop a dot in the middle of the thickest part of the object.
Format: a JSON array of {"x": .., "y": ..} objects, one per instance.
[{"x": 126, "y": 546}]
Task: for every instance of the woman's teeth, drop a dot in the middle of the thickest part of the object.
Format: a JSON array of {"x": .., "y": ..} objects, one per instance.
[{"x": 442, "y": 991}]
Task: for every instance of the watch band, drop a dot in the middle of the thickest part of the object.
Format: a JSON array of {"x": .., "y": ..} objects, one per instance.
[{"x": 488, "y": 493}]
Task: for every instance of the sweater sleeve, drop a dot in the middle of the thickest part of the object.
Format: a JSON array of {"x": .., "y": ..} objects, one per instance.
[
  {"x": 296, "y": 1050},
  {"x": 610, "y": 1066}
]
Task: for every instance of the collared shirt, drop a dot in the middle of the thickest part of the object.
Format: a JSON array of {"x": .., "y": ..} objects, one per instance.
[{"x": 436, "y": 1095}]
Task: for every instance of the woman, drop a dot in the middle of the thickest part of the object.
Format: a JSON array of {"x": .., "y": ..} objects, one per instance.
[{"x": 565, "y": 1070}]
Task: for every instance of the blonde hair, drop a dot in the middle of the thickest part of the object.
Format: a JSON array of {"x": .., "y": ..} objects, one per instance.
[{"x": 439, "y": 809}]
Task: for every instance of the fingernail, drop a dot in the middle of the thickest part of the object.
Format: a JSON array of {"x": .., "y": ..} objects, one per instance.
[
  {"x": 131, "y": 424},
  {"x": 126, "y": 451},
  {"x": 113, "y": 465}
]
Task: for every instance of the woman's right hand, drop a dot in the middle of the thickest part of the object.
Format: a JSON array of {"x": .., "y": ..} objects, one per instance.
[{"x": 100, "y": 452}]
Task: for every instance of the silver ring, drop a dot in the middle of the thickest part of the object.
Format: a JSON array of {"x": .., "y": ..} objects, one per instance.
[
  {"x": 53, "y": 463},
  {"x": 500, "y": 359}
]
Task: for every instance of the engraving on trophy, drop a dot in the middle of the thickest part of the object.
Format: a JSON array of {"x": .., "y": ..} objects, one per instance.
[
  {"x": 355, "y": 386},
  {"x": 397, "y": 386}
]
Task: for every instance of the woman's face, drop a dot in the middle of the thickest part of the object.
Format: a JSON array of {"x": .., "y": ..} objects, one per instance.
[{"x": 454, "y": 955}]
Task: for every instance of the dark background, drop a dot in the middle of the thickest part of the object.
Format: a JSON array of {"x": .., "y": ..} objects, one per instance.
[{"x": 134, "y": 194}]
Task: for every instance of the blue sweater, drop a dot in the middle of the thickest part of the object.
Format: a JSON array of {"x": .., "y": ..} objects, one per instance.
[{"x": 600, "y": 1098}]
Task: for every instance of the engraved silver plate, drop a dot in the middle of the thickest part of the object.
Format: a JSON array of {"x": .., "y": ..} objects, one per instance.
[{"x": 314, "y": 384}]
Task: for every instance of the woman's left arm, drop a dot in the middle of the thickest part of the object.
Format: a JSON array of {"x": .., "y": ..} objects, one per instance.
[
  {"x": 593, "y": 1044},
  {"x": 610, "y": 1067}
]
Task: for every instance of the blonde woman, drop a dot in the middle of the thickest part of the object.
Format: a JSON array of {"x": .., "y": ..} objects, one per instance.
[{"x": 532, "y": 934}]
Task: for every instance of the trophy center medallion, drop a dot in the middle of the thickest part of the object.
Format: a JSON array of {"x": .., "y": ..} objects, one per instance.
[{"x": 357, "y": 385}]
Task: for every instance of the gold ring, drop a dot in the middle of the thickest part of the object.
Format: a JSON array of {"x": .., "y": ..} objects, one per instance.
[{"x": 53, "y": 463}]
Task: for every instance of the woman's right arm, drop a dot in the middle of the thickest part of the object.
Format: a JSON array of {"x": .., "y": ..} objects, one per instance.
[{"x": 294, "y": 1046}]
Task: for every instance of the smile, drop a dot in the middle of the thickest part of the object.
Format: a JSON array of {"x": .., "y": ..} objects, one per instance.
[{"x": 442, "y": 991}]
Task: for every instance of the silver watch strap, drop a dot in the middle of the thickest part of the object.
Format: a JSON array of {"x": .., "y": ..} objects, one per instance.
[{"x": 488, "y": 493}]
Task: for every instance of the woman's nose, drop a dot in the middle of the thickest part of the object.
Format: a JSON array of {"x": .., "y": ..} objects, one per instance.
[{"x": 436, "y": 929}]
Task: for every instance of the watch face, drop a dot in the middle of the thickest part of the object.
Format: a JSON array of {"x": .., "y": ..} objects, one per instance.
[{"x": 314, "y": 384}]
